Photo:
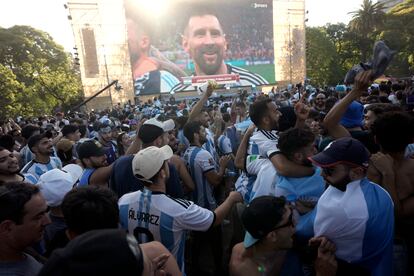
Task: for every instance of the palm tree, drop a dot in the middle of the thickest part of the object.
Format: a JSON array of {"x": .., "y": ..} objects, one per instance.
[
  {"x": 368, "y": 18},
  {"x": 366, "y": 23}
]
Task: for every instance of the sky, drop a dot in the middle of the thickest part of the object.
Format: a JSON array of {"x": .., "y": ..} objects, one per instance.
[{"x": 50, "y": 15}]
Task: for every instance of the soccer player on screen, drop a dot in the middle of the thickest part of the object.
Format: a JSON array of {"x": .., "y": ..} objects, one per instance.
[{"x": 205, "y": 42}]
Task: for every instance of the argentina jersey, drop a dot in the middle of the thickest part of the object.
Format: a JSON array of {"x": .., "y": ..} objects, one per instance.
[
  {"x": 155, "y": 82},
  {"x": 359, "y": 221},
  {"x": 162, "y": 218},
  {"x": 246, "y": 79},
  {"x": 36, "y": 169},
  {"x": 199, "y": 161},
  {"x": 210, "y": 146},
  {"x": 224, "y": 145}
]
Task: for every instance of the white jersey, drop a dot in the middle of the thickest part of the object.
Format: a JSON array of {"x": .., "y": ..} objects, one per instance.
[
  {"x": 262, "y": 146},
  {"x": 199, "y": 161},
  {"x": 266, "y": 142},
  {"x": 166, "y": 218},
  {"x": 36, "y": 169}
]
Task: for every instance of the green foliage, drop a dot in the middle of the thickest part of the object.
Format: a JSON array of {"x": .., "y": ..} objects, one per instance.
[
  {"x": 321, "y": 57},
  {"x": 36, "y": 74},
  {"x": 353, "y": 43}
]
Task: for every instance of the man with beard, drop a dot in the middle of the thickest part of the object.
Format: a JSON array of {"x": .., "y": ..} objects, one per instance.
[
  {"x": 354, "y": 213},
  {"x": 207, "y": 246},
  {"x": 96, "y": 169},
  {"x": 105, "y": 139},
  {"x": 9, "y": 169},
  {"x": 42, "y": 147},
  {"x": 204, "y": 40},
  {"x": 23, "y": 217},
  {"x": 261, "y": 146},
  {"x": 199, "y": 114},
  {"x": 296, "y": 145}
]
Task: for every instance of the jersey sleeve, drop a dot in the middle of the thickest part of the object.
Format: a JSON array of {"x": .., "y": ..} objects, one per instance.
[
  {"x": 196, "y": 218},
  {"x": 267, "y": 148},
  {"x": 205, "y": 161}
]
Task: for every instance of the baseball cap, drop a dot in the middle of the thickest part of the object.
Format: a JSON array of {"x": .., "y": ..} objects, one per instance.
[
  {"x": 165, "y": 126},
  {"x": 35, "y": 139},
  {"x": 148, "y": 162},
  {"x": 90, "y": 148},
  {"x": 92, "y": 253},
  {"x": 56, "y": 183},
  {"x": 64, "y": 145},
  {"x": 354, "y": 115},
  {"x": 260, "y": 217},
  {"x": 344, "y": 150},
  {"x": 153, "y": 128}
]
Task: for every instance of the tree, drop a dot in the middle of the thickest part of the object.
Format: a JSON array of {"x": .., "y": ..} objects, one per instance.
[
  {"x": 366, "y": 24},
  {"x": 42, "y": 69},
  {"x": 323, "y": 66},
  {"x": 9, "y": 88},
  {"x": 398, "y": 32}
]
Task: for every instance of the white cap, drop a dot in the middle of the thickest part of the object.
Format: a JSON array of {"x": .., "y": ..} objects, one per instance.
[
  {"x": 56, "y": 183},
  {"x": 166, "y": 125},
  {"x": 148, "y": 162}
]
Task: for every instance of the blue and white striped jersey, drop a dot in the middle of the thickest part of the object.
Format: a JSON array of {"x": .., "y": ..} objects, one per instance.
[
  {"x": 155, "y": 82},
  {"x": 182, "y": 139},
  {"x": 37, "y": 169},
  {"x": 210, "y": 146},
  {"x": 27, "y": 155},
  {"x": 199, "y": 161},
  {"x": 224, "y": 145},
  {"x": 29, "y": 178},
  {"x": 166, "y": 218}
]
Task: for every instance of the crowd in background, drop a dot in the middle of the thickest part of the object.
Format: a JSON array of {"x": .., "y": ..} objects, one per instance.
[{"x": 297, "y": 181}]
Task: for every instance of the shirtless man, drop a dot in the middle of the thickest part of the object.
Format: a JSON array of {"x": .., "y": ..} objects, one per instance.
[
  {"x": 395, "y": 172},
  {"x": 269, "y": 226}
]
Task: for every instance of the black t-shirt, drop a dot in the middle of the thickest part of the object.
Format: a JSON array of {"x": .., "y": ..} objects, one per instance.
[{"x": 123, "y": 180}]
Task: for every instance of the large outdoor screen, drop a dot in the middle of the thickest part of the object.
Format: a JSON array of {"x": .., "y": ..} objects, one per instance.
[{"x": 172, "y": 39}]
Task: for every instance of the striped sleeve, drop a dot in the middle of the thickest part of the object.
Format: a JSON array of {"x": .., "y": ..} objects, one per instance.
[{"x": 249, "y": 77}]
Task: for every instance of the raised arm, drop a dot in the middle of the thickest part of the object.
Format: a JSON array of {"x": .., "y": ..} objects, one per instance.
[
  {"x": 287, "y": 168},
  {"x": 332, "y": 119},
  {"x": 101, "y": 176},
  {"x": 199, "y": 105},
  {"x": 240, "y": 159}
]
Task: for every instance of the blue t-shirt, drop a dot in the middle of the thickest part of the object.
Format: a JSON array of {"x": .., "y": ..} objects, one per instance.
[{"x": 123, "y": 180}]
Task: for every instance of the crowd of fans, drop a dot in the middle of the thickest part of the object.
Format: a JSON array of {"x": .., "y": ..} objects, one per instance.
[{"x": 301, "y": 181}]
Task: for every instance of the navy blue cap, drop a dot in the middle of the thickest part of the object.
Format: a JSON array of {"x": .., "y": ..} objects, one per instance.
[{"x": 344, "y": 150}]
